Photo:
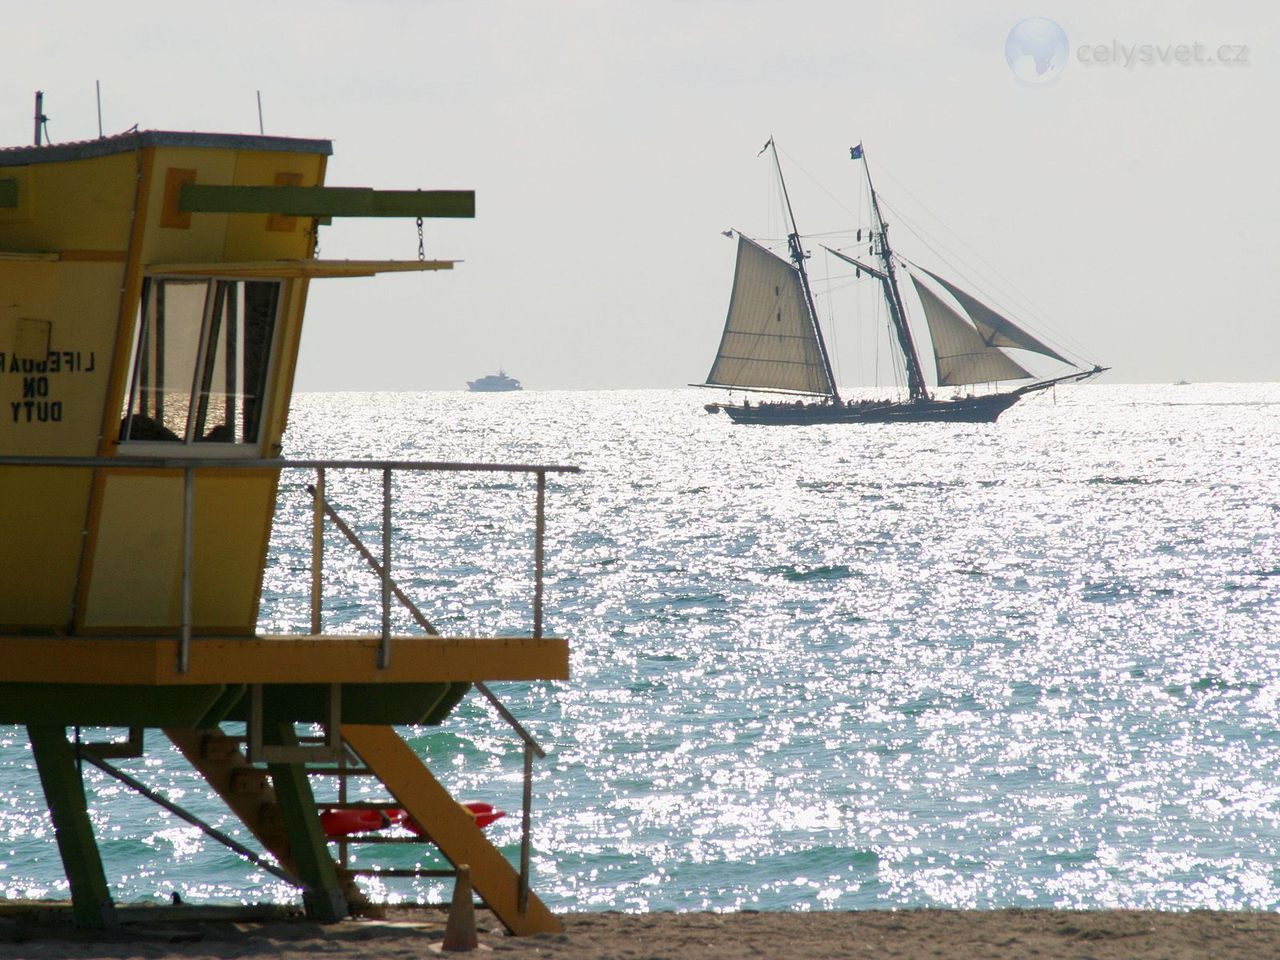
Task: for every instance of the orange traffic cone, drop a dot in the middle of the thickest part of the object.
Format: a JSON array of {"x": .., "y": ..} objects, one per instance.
[{"x": 460, "y": 931}]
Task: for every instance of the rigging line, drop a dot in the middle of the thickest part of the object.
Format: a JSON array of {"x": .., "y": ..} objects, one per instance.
[
  {"x": 849, "y": 284},
  {"x": 1057, "y": 337},
  {"x": 1027, "y": 304},
  {"x": 875, "y": 346},
  {"x": 898, "y": 360},
  {"x": 777, "y": 208},
  {"x": 816, "y": 182},
  {"x": 925, "y": 238},
  {"x": 831, "y": 319},
  {"x": 828, "y": 233},
  {"x": 1064, "y": 340},
  {"x": 964, "y": 243},
  {"x": 857, "y": 246},
  {"x": 872, "y": 328},
  {"x": 878, "y": 332},
  {"x": 898, "y": 363}
]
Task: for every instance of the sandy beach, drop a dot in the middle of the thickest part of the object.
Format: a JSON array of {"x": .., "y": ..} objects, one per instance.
[{"x": 908, "y": 934}]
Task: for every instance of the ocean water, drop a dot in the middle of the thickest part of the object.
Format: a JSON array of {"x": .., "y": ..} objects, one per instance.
[{"x": 1028, "y": 664}]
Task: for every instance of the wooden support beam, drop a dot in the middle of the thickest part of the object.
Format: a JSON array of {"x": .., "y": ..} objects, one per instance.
[
  {"x": 451, "y": 827},
  {"x": 221, "y": 762},
  {"x": 224, "y": 765},
  {"x": 64, "y": 792},
  {"x": 322, "y": 892},
  {"x": 326, "y": 201}
]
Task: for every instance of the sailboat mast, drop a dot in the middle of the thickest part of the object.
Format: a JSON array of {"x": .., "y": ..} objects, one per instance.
[
  {"x": 897, "y": 313},
  {"x": 798, "y": 257}
]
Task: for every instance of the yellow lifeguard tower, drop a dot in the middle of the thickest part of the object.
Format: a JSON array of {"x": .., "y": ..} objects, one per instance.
[{"x": 152, "y": 288}]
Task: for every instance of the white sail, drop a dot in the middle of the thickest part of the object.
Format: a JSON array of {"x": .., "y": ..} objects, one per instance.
[
  {"x": 961, "y": 354},
  {"x": 769, "y": 340},
  {"x": 996, "y": 330}
]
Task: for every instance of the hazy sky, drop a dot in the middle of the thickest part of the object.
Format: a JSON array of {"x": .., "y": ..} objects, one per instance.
[{"x": 610, "y": 143}]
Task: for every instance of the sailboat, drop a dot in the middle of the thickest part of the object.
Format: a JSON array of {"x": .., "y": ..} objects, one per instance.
[{"x": 773, "y": 342}]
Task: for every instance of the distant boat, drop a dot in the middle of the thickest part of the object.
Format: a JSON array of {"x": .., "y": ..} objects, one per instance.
[
  {"x": 773, "y": 342},
  {"x": 494, "y": 383}
]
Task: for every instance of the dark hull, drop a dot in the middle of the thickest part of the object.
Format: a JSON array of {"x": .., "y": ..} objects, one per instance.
[{"x": 983, "y": 409}]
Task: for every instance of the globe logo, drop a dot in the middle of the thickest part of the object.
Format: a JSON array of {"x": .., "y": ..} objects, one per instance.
[{"x": 1036, "y": 50}]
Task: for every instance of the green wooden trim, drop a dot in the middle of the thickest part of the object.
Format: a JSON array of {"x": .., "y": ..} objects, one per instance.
[
  {"x": 8, "y": 193},
  {"x": 64, "y": 792},
  {"x": 205, "y": 705},
  {"x": 445, "y": 707},
  {"x": 326, "y": 201},
  {"x": 231, "y": 695},
  {"x": 322, "y": 892},
  {"x": 109, "y": 705},
  {"x": 393, "y": 704}
]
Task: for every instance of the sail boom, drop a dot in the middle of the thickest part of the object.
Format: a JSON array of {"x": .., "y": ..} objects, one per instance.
[
  {"x": 878, "y": 274},
  {"x": 785, "y": 393}
]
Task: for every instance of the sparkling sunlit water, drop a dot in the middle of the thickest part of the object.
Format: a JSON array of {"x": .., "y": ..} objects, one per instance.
[{"x": 1030, "y": 664}]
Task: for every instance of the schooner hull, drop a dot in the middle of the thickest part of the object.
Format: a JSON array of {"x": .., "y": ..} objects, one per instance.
[{"x": 984, "y": 409}]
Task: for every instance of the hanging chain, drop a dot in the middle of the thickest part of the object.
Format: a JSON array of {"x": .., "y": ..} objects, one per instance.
[{"x": 422, "y": 251}]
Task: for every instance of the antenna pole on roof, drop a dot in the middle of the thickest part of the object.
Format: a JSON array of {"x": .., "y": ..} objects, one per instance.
[
  {"x": 40, "y": 117},
  {"x": 97, "y": 85},
  {"x": 260, "y": 128}
]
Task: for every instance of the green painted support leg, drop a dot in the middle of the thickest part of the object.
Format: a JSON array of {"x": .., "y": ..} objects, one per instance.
[
  {"x": 322, "y": 896},
  {"x": 64, "y": 792}
]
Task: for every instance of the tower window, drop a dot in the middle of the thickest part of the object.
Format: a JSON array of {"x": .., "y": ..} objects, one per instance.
[{"x": 200, "y": 360}]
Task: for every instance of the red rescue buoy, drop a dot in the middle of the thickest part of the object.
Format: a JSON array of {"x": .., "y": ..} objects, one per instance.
[
  {"x": 483, "y": 814},
  {"x": 343, "y": 822}
]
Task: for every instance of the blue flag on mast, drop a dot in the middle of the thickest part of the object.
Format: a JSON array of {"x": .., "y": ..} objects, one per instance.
[{"x": 855, "y": 153}]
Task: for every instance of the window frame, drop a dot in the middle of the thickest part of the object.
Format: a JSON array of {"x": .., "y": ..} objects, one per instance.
[{"x": 189, "y": 444}]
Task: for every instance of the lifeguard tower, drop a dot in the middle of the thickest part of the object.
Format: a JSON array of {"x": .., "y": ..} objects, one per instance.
[{"x": 153, "y": 287}]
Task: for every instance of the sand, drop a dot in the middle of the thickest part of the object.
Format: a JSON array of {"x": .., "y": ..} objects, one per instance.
[{"x": 908, "y": 934}]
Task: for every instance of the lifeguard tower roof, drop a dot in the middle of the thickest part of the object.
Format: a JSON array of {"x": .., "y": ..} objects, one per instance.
[{"x": 130, "y": 142}]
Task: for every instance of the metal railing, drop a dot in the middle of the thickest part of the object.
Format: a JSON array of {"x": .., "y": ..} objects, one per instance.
[
  {"x": 322, "y": 509},
  {"x": 190, "y": 465}
]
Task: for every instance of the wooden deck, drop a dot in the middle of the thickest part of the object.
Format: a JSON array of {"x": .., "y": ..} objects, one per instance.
[{"x": 291, "y": 659}]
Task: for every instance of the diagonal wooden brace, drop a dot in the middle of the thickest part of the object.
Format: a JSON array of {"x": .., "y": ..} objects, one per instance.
[{"x": 450, "y": 827}]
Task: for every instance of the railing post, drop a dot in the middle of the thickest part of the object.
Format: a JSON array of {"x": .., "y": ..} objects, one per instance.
[
  {"x": 531, "y": 750},
  {"x": 384, "y": 648},
  {"x": 317, "y": 552},
  {"x": 540, "y": 526},
  {"x": 523, "y": 898},
  {"x": 188, "y": 524}
]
